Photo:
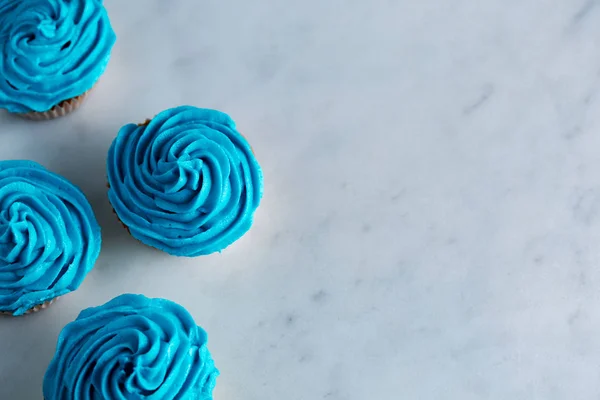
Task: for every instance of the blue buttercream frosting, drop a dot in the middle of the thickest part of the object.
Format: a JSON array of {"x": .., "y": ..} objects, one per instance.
[
  {"x": 49, "y": 237},
  {"x": 132, "y": 348},
  {"x": 50, "y": 51},
  {"x": 186, "y": 182}
]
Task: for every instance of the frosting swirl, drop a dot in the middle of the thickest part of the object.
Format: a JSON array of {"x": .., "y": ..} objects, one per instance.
[
  {"x": 50, "y": 51},
  {"x": 49, "y": 237},
  {"x": 131, "y": 348},
  {"x": 186, "y": 182}
]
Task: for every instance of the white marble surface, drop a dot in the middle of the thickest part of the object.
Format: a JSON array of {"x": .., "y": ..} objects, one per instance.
[{"x": 431, "y": 221}]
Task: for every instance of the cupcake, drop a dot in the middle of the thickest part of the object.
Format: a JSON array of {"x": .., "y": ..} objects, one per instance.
[
  {"x": 49, "y": 237},
  {"x": 185, "y": 182},
  {"x": 52, "y": 54},
  {"x": 132, "y": 347}
]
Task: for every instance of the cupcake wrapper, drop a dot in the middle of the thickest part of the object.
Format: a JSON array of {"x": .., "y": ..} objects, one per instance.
[
  {"x": 116, "y": 215},
  {"x": 122, "y": 223},
  {"x": 35, "y": 309},
  {"x": 59, "y": 110}
]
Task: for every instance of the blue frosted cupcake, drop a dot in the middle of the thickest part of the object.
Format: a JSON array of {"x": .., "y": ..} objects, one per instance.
[
  {"x": 49, "y": 237},
  {"x": 185, "y": 182},
  {"x": 52, "y": 52},
  {"x": 131, "y": 348}
]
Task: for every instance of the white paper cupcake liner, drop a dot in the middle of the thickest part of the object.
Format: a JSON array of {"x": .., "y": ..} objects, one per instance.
[{"x": 60, "y": 110}]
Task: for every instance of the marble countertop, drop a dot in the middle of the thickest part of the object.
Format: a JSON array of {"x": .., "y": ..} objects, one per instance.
[{"x": 431, "y": 221}]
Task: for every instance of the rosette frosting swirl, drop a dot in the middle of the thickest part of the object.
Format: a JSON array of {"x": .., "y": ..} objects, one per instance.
[
  {"x": 49, "y": 236},
  {"x": 186, "y": 182},
  {"x": 50, "y": 51},
  {"x": 131, "y": 348}
]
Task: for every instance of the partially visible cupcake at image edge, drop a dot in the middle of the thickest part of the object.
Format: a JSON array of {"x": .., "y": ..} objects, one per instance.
[
  {"x": 49, "y": 237},
  {"x": 185, "y": 182},
  {"x": 132, "y": 347},
  {"x": 52, "y": 52}
]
